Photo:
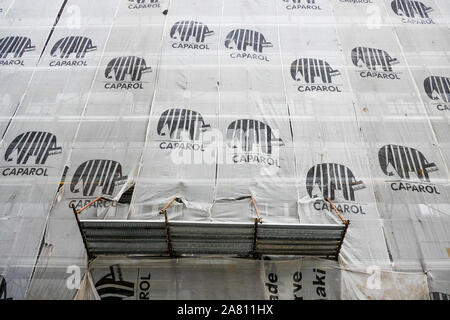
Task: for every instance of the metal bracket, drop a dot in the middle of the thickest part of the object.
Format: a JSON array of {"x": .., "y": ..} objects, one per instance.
[
  {"x": 255, "y": 239},
  {"x": 90, "y": 204},
  {"x": 255, "y": 229},
  {"x": 166, "y": 219},
  {"x": 256, "y": 209},
  {"x": 344, "y": 221}
]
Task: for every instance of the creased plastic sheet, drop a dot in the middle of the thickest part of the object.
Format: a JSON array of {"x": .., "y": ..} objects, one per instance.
[
  {"x": 180, "y": 153},
  {"x": 29, "y": 27},
  {"x": 350, "y": 96},
  {"x": 212, "y": 278},
  {"x": 356, "y": 13},
  {"x": 42, "y": 13},
  {"x": 439, "y": 284},
  {"x": 375, "y": 284},
  {"x": 87, "y": 289},
  {"x": 53, "y": 105},
  {"x": 32, "y": 160},
  {"x": 398, "y": 136},
  {"x": 257, "y": 154},
  {"x": 106, "y": 153},
  {"x": 331, "y": 158},
  {"x": 223, "y": 278}
]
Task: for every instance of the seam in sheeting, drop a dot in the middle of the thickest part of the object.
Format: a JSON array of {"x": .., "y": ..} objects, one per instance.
[
  {"x": 422, "y": 102},
  {"x": 421, "y": 257},
  {"x": 19, "y": 104},
  {"x": 216, "y": 172},
  {"x": 67, "y": 162},
  {"x": 361, "y": 133},
  {"x": 147, "y": 130},
  {"x": 291, "y": 130}
]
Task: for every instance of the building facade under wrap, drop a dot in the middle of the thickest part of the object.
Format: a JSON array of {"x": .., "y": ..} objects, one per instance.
[{"x": 199, "y": 114}]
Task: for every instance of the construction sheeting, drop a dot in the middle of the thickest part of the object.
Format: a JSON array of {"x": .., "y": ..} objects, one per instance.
[
  {"x": 216, "y": 103},
  {"x": 232, "y": 278}
]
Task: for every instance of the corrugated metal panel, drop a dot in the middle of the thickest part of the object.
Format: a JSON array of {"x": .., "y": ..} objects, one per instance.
[{"x": 150, "y": 237}]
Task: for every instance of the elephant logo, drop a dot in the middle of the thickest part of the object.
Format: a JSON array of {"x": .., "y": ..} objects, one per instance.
[
  {"x": 37, "y": 144},
  {"x": 97, "y": 173},
  {"x": 372, "y": 59},
  {"x": 240, "y": 39},
  {"x": 16, "y": 46},
  {"x": 185, "y": 30},
  {"x": 173, "y": 122},
  {"x": 122, "y": 67},
  {"x": 77, "y": 45},
  {"x": 246, "y": 133},
  {"x": 329, "y": 177},
  {"x": 113, "y": 287},
  {"x": 403, "y": 160},
  {"x": 437, "y": 88},
  {"x": 410, "y": 8},
  {"x": 308, "y": 69}
]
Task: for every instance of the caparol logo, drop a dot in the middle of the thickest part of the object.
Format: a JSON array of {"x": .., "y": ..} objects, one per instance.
[
  {"x": 73, "y": 47},
  {"x": 410, "y": 166},
  {"x": 378, "y": 63},
  {"x": 243, "y": 41},
  {"x": 12, "y": 49},
  {"x": 315, "y": 75},
  {"x": 190, "y": 35},
  {"x": 324, "y": 179},
  {"x": 94, "y": 178},
  {"x": 112, "y": 286},
  {"x": 437, "y": 89},
  {"x": 126, "y": 73},
  {"x": 412, "y": 11},
  {"x": 253, "y": 141},
  {"x": 143, "y": 4},
  {"x": 182, "y": 129},
  {"x": 38, "y": 145},
  {"x": 302, "y": 4}
]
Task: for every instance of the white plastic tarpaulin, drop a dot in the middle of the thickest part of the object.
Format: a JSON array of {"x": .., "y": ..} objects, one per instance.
[{"x": 215, "y": 103}]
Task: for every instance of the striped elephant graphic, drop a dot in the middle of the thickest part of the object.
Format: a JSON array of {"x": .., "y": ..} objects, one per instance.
[
  {"x": 372, "y": 59},
  {"x": 400, "y": 160},
  {"x": 113, "y": 287},
  {"x": 437, "y": 88},
  {"x": 77, "y": 45},
  {"x": 173, "y": 122},
  {"x": 105, "y": 174},
  {"x": 126, "y": 67},
  {"x": 37, "y": 144},
  {"x": 410, "y": 8},
  {"x": 329, "y": 177},
  {"x": 185, "y": 30},
  {"x": 15, "y": 45},
  {"x": 246, "y": 133},
  {"x": 308, "y": 69},
  {"x": 240, "y": 39}
]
